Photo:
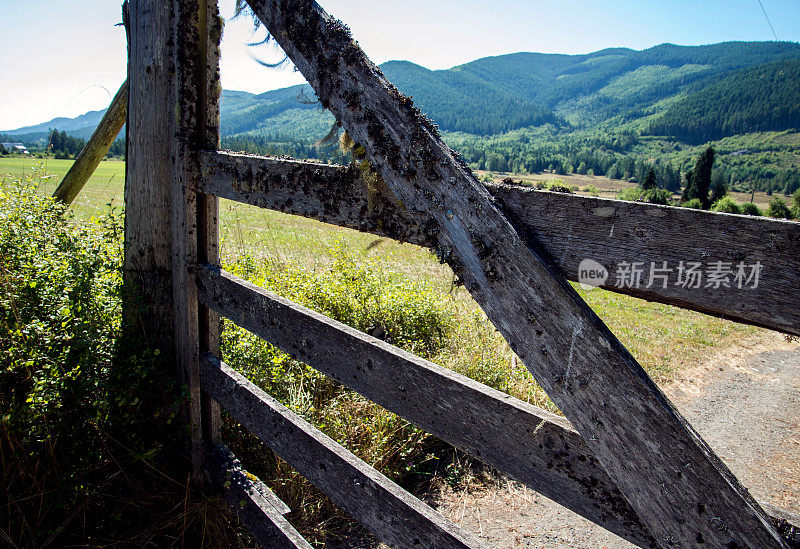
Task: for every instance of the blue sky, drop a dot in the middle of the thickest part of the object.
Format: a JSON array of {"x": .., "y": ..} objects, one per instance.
[{"x": 65, "y": 57}]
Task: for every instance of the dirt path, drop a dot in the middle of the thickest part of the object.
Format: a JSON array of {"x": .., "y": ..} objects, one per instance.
[{"x": 744, "y": 401}]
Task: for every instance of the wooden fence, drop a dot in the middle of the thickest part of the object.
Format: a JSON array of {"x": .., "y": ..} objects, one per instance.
[{"x": 626, "y": 459}]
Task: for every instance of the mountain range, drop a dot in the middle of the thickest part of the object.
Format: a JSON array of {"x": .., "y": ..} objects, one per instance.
[{"x": 691, "y": 93}]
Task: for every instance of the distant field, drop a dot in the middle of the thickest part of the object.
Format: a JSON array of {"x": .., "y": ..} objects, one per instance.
[
  {"x": 106, "y": 184},
  {"x": 608, "y": 188}
]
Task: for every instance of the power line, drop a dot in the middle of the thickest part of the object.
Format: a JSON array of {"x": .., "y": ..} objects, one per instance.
[{"x": 768, "y": 21}]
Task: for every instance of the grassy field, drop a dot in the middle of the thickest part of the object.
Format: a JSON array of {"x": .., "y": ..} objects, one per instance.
[
  {"x": 661, "y": 337},
  {"x": 105, "y": 186}
]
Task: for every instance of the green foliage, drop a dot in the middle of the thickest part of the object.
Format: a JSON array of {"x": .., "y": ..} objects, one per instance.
[
  {"x": 698, "y": 180},
  {"x": 649, "y": 181},
  {"x": 62, "y": 145},
  {"x": 778, "y": 209},
  {"x": 796, "y": 204},
  {"x": 558, "y": 186},
  {"x": 726, "y": 204},
  {"x": 651, "y": 196},
  {"x": 81, "y": 427},
  {"x": 748, "y": 208},
  {"x": 760, "y": 98},
  {"x": 694, "y": 203},
  {"x": 60, "y": 311}
]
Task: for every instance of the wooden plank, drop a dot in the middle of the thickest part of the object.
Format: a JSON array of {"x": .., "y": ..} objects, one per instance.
[
  {"x": 197, "y": 31},
  {"x": 96, "y": 148},
  {"x": 231, "y": 468},
  {"x": 677, "y": 485},
  {"x": 256, "y": 505},
  {"x": 551, "y": 457},
  {"x": 571, "y": 228},
  {"x": 394, "y": 515},
  {"x": 567, "y": 228}
]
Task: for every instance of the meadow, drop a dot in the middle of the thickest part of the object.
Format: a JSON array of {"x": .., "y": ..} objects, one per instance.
[{"x": 366, "y": 282}]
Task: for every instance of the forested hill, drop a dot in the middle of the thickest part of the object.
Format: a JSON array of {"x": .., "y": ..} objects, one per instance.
[
  {"x": 689, "y": 92},
  {"x": 462, "y": 101},
  {"x": 760, "y": 98},
  {"x": 497, "y": 94}
]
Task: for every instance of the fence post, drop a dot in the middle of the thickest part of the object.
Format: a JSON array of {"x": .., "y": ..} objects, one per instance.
[
  {"x": 173, "y": 114},
  {"x": 148, "y": 310},
  {"x": 195, "y": 106}
]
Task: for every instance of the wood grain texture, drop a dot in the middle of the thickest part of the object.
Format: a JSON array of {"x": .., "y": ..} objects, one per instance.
[
  {"x": 256, "y": 505},
  {"x": 96, "y": 148},
  {"x": 197, "y": 31},
  {"x": 567, "y": 228},
  {"x": 147, "y": 300},
  {"x": 677, "y": 485},
  {"x": 531, "y": 445},
  {"x": 391, "y": 513},
  {"x": 571, "y": 228}
]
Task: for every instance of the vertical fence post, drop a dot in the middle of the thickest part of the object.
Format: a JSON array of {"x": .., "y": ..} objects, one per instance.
[
  {"x": 173, "y": 114},
  {"x": 195, "y": 107},
  {"x": 148, "y": 311}
]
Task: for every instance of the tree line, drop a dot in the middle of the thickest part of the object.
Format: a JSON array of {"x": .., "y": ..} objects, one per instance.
[{"x": 62, "y": 145}]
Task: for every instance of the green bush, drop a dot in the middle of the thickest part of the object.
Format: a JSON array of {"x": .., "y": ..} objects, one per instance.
[
  {"x": 778, "y": 209},
  {"x": 88, "y": 450},
  {"x": 748, "y": 208},
  {"x": 592, "y": 190},
  {"x": 694, "y": 204},
  {"x": 651, "y": 196},
  {"x": 558, "y": 186},
  {"x": 726, "y": 204},
  {"x": 59, "y": 311}
]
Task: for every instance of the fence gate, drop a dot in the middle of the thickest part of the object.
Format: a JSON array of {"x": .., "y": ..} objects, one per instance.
[{"x": 628, "y": 460}]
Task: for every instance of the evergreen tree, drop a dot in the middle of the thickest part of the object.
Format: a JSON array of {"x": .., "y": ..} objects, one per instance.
[
  {"x": 649, "y": 181},
  {"x": 719, "y": 187},
  {"x": 698, "y": 180}
]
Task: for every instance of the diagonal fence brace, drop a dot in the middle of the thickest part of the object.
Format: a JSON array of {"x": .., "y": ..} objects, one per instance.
[{"x": 678, "y": 486}]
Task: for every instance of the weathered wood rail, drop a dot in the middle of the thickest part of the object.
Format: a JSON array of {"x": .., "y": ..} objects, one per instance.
[
  {"x": 627, "y": 461},
  {"x": 96, "y": 148},
  {"x": 567, "y": 229}
]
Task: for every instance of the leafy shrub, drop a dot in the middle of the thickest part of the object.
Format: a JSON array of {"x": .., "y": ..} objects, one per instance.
[
  {"x": 778, "y": 209},
  {"x": 81, "y": 445},
  {"x": 748, "y": 208},
  {"x": 592, "y": 190},
  {"x": 651, "y": 196},
  {"x": 726, "y": 204},
  {"x": 558, "y": 186},
  {"x": 59, "y": 311},
  {"x": 694, "y": 204}
]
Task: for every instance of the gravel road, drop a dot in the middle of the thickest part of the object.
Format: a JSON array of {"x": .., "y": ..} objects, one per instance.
[{"x": 744, "y": 401}]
